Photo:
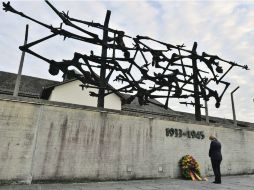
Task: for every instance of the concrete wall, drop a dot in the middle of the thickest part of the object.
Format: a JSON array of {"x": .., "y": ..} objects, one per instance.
[
  {"x": 18, "y": 122},
  {"x": 72, "y": 93},
  {"x": 47, "y": 142}
]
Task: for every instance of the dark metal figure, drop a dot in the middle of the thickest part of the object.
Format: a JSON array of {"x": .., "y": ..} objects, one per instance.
[{"x": 165, "y": 73}]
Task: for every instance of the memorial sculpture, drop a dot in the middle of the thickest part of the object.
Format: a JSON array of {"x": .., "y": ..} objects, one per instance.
[{"x": 145, "y": 72}]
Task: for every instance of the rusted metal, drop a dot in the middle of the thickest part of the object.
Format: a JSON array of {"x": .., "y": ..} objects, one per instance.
[
  {"x": 164, "y": 73},
  {"x": 101, "y": 93}
]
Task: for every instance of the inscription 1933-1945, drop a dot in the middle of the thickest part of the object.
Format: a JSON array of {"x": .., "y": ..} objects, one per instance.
[{"x": 179, "y": 133}]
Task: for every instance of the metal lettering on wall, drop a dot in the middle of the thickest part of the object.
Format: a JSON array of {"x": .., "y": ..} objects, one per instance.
[{"x": 172, "y": 132}]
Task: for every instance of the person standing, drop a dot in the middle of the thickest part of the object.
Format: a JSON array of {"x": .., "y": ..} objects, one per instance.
[{"x": 216, "y": 158}]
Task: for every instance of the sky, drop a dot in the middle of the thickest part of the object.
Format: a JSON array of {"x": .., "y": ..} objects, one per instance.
[{"x": 223, "y": 28}]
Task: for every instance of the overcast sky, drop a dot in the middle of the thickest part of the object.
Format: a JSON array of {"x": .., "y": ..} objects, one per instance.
[{"x": 224, "y": 28}]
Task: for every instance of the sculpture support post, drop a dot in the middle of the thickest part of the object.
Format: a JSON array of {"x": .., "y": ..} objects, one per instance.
[
  {"x": 206, "y": 113},
  {"x": 103, "y": 62},
  {"x": 196, "y": 82},
  {"x": 206, "y": 107},
  {"x": 233, "y": 107},
  {"x": 17, "y": 84}
]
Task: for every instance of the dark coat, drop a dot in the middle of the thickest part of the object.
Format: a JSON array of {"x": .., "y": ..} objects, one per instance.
[{"x": 215, "y": 150}]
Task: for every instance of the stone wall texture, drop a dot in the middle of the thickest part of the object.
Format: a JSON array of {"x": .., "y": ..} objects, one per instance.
[{"x": 45, "y": 142}]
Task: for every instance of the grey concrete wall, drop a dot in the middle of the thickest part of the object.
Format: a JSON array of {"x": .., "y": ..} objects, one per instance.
[
  {"x": 18, "y": 123},
  {"x": 47, "y": 142}
]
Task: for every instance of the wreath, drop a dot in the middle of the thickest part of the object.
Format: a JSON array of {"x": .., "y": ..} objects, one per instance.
[{"x": 189, "y": 168}]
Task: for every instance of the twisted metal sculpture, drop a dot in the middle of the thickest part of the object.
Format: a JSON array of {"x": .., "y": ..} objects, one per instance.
[{"x": 159, "y": 73}]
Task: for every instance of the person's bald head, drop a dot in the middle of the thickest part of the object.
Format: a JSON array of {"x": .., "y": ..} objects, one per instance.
[{"x": 211, "y": 138}]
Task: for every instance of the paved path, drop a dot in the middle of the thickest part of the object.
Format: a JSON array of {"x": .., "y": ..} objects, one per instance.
[{"x": 243, "y": 182}]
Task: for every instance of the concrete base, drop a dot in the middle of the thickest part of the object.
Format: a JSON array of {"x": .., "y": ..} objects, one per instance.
[{"x": 47, "y": 142}]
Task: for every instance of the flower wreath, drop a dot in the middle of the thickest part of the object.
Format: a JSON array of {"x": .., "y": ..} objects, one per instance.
[{"x": 189, "y": 167}]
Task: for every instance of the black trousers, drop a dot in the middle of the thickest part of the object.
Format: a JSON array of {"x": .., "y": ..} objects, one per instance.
[{"x": 216, "y": 170}]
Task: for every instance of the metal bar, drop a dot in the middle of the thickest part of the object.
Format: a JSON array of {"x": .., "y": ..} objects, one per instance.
[
  {"x": 206, "y": 113},
  {"x": 196, "y": 82},
  {"x": 233, "y": 107},
  {"x": 26, "y": 46},
  {"x": 113, "y": 59},
  {"x": 183, "y": 68},
  {"x": 206, "y": 105},
  {"x": 68, "y": 22},
  {"x": 103, "y": 62},
  {"x": 18, "y": 80},
  {"x": 225, "y": 73}
]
